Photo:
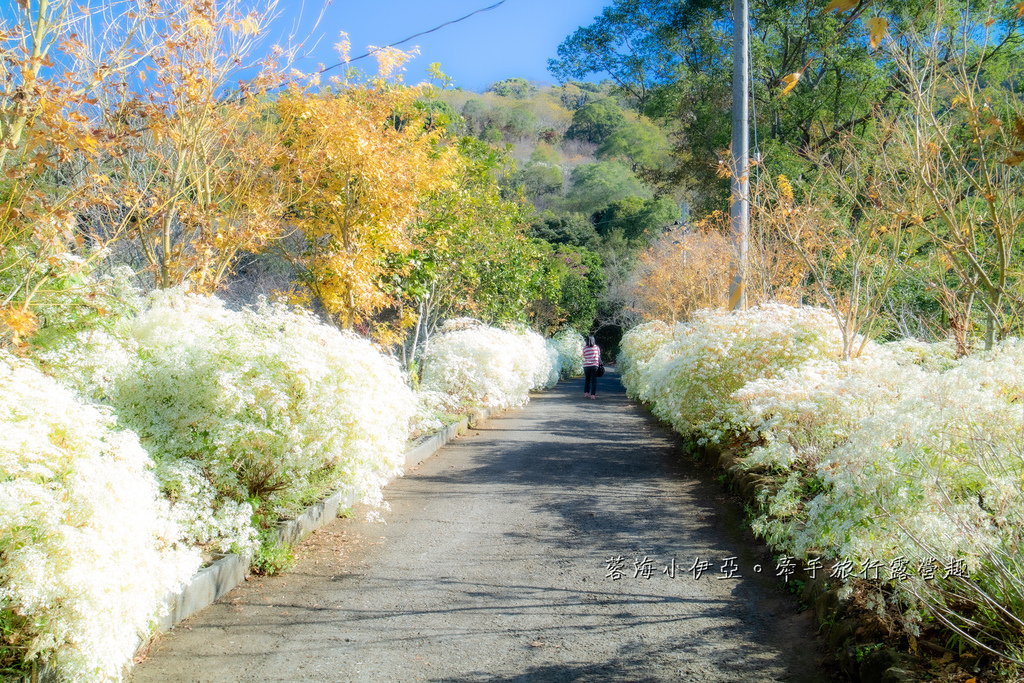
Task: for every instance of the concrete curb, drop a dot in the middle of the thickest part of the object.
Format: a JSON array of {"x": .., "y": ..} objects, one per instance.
[{"x": 230, "y": 570}]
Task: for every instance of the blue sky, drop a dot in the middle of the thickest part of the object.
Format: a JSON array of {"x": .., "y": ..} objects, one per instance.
[{"x": 515, "y": 39}]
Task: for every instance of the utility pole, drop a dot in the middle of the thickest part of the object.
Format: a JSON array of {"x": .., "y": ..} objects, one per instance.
[{"x": 739, "y": 202}]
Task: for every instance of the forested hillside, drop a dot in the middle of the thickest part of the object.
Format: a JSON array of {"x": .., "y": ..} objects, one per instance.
[{"x": 582, "y": 158}]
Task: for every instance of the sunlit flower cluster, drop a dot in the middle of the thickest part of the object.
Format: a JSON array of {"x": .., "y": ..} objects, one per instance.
[
  {"x": 938, "y": 455},
  {"x": 489, "y": 367},
  {"x": 261, "y": 401},
  {"x": 930, "y": 447},
  {"x": 637, "y": 348},
  {"x": 82, "y": 578},
  {"x": 696, "y": 366},
  {"x": 434, "y": 411},
  {"x": 210, "y": 521},
  {"x": 537, "y": 358}
]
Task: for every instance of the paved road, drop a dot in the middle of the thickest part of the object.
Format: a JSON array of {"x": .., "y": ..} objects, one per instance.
[{"x": 493, "y": 565}]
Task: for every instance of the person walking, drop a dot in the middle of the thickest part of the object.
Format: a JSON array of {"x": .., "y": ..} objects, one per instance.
[{"x": 591, "y": 361}]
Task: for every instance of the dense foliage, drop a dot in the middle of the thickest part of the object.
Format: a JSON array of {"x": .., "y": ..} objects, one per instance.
[
  {"x": 487, "y": 367},
  {"x": 266, "y": 403},
  {"x": 887, "y": 139}
]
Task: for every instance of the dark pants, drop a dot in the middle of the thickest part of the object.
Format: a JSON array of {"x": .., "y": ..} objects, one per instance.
[{"x": 590, "y": 380}]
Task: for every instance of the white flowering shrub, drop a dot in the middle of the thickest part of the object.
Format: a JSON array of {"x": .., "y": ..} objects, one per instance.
[
  {"x": 903, "y": 455},
  {"x": 537, "y": 358},
  {"x": 209, "y": 520},
  {"x": 939, "y": 454},
  {"x": 691, "y": 377},
  {"x": 636, "y": 350},
  {"x": 569, "y": 344},
  {"x": 484, "y": 366},
  {"x": 87, "y": 549},
  {"x": 264, "y": 402},
  {"x": 883, "y": 436},
  {"x": 805, "y": 412},
  {"x": 554, "y": 364},
  {"x": 91, "y": 362},
  {"x": 926, "y": 465},
  {"x": 464, "y": 357}
]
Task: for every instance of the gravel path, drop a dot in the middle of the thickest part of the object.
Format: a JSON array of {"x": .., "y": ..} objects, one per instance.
[{"x": 493, "y": 565}]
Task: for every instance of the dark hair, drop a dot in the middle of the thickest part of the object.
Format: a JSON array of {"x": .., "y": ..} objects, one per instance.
[{"x": 591, "y": 341}]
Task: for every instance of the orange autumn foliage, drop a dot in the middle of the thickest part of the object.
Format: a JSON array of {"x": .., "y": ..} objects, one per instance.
[
  {"x": 197, "y": 178},
  {"x": 680, "y": 272}
]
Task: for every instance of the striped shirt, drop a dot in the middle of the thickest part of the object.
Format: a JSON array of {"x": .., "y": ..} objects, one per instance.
[{"x": 591, "y": 356}]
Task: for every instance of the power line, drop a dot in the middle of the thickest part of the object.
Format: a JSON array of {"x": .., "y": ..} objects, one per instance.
[{"x": 415, "y": 35}]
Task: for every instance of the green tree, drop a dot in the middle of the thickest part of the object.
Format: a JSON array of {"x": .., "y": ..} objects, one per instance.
[
  {"x": 440, "y": 114},
  {"x": 517, "y": 88},
  {"x": 638, "y": 218},
  {"x": 470, "y": 255},
  {"x": 572, "y": 282},
  {"x": 627, "y": 41},
  {"x": 545, "y": 154},
  {"x": 475, "y": 114},
  {"x": 594, "y": 122},
  {"x": 639, "y": 143},
  {"x": 595, "y": 186},
  {"x": 491, "y": 134},
  {"x": 574, "y": 94},
  {"x": 673, "y": 60},
  {"x": 515, "y": 123},
  {"x": 538, "y": 179},
  {"x": 573, "y": 229}
]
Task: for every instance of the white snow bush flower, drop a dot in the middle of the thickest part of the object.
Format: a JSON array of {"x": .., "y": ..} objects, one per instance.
[
  {"x": 484, "y": 366},
  {"x": 636, "y": 350},
  {"x": 265, "y": 402},
  {"x": 932, "y": 473},
  {"x": 537, "y": 359},
  {"x": 434, "y": 411},
  {"x": 692, "y": 375},
  {"x": 91, "y": 362},
  {"x": 938, "y": 461},
  {"x": 87, "y": 550},
  {"x": 209, "y": 521},
  {"x": 806, "y": 411},
  {"x": 904, "y": 454},
  {"x": 569, "y": 344},
  {"x": 554, "y": 364},
  {"x": 892, "y": 436}
]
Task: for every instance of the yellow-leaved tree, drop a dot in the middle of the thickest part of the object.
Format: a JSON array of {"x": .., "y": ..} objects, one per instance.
[
  {"x": 357, "y": 162},
  {"x": 679, "y": 272}
]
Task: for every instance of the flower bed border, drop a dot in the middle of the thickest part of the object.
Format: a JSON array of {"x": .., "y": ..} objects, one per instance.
[{"x": 228, "y": 571}]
